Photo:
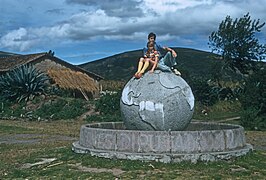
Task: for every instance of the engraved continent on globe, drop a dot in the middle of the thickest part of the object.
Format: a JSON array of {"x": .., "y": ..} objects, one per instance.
[{"x": 158, "y": 101}]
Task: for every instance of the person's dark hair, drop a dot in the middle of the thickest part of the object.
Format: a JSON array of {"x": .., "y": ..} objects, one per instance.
[{"x": 152, "y": 35}]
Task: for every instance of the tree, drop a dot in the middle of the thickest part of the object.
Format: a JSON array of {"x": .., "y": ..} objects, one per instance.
[
  {"x": 236, "y": 42},
  {"x": 253, "y": 101}
]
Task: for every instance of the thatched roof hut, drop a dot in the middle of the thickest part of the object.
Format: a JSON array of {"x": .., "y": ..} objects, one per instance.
[
  {"x": 67, "y": 79},
  {"x": 63, "y": 74}
]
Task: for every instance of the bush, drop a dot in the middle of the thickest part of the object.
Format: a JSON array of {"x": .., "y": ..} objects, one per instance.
[
  {"x": 112, "y": 85},
  {"x": 253, "y": 100},
  {"x": 103, "y": 118},
  {"x": 109, "y": 107},
  {"x": 56, "y": 91},
  {"x": 53, "y": 108},
  {"x": 4, "y": 105},
  {"x": 205, "y": 93},
  {"x": 251, "y": 120},
  {"x": 22, "y": 83},
  {"x": 255, "y": 92},
  {"x": 61, "y": 109},
  {"x": 109, "y": 104},
  {"x": 9, "y": 109}
]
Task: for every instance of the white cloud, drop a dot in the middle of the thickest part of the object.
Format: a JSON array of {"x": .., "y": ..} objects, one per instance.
[
  {"x": 86, "y": 25},
  {"x": 18, "y": 40},
  {"x": 171, "y": 6},
  {"x": 169, "y": 19}
]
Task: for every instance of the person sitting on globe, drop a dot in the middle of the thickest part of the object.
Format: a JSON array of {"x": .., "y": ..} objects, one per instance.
[
  {"x": 166, "y": 63},
  {"x": 150, "y": 59}
]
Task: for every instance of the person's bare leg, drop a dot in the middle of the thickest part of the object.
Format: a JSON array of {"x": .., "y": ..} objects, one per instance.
[
  {"x": 146, "y": 65},
  {"x": 141, "y": 60}
]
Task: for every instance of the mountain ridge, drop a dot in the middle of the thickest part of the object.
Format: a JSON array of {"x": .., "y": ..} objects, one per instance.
[
  {"x": 123, "y": 66},
  {"x": 5, "y": 54}
]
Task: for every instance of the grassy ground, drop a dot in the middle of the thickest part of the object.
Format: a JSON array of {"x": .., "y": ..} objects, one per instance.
[
  {"x": 220, "y": 111},
  {"x": 44, "y": 152}
]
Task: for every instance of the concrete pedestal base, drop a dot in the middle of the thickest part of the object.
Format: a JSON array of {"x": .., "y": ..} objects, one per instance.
[{"x": 199, "y": 142}]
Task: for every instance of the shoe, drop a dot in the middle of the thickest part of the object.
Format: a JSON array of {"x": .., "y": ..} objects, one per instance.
[
  {"x": 176, "y": 72},
  {"x": 138, "y": 75}
]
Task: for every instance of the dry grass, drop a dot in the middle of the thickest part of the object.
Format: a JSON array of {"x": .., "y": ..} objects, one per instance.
[
  {"x": 68, "y": 128},
  {"x": 68, "y": 79},
  {"x": 26, "y": 161},
  {"x": 112, "y": 84}
]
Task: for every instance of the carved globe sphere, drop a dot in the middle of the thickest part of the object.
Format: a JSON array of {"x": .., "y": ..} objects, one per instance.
[{"x": 157, "y": 101}]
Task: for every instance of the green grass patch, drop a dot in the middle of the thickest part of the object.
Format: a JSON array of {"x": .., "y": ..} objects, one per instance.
[
  {"x": 13, "y": 129},
  {"x": 103, "y": 118},
  {"x": 219, "y": 111},
  {"x": 50, "y": 108},
  {"x": 61, "y": 109},
  {"x": 14, "y": 159},
  {"x": 71, "y": 165}
]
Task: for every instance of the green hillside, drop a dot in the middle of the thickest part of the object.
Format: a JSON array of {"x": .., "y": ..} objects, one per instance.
[
  {"x": 123, "y": 66},
  {"x": 4, "y": 54}
]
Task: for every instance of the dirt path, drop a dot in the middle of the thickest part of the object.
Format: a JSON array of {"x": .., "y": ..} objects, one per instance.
[
  {"x": 257, "y": 139},
  {"x": 69, "y": 131},
  {"x": 33, "y": 138}
]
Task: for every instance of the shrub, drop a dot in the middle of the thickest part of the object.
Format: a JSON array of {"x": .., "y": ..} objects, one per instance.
[
  {"x": 56, "y": 108},
  {"x": 205, "y": 93},
  {"x": 103, "y": 118},
  {"x": 254, "y": 93},
  {"x": 9, "y": 109},
  {"x": 112, "y": 85},
  {"x": 251, "y": 120},
  {"x": 22, "y": 83},
  {"x": 109, "y": 104},
  {"x": 61, "y": 109},
  {"x": 57, "y": 91},
  {"x": 253, "y": 100}
]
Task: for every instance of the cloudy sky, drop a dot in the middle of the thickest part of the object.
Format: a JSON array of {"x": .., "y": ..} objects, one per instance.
[{"x": 80, "y": 31}]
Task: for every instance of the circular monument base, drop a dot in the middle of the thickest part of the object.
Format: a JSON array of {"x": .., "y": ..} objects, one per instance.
[{"x": 198, "y": 142}]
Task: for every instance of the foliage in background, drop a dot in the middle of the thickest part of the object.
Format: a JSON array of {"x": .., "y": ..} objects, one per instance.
[
  {"x": 203, "y": 91},
  {"x": 109, "y": 107},
  {"x": 61, "y": 108},
  {"x": 253, "y": 101},
  {"x": 112, "y": 85},
  {"x": 185, "y": 74},
  {"x": 9, "y": 109},
  {"x": 250, "y": 119},
  {"x": 22, "y": 83},
  {"x": 57, "y": 91},
  {"x": 103, "y": 118},
  {"x": 208, "y": 92},
  {"x": 50, "y": 108},
  {"x": 235, "y": 41},
  {"x": 109, "y": 104},
  {"x": 221, "y": 110}
]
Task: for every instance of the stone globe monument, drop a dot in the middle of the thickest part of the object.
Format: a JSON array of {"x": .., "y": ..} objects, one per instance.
[
  {"x": 157, "y": 110},
  {"x": 160, "y": 101}
]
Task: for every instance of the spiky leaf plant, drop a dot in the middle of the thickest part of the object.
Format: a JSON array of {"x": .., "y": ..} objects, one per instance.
[{"x": 23, "y": 83}]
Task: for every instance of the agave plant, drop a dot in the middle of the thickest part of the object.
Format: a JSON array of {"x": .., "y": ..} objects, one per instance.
[{"x": 23, "y": 83}]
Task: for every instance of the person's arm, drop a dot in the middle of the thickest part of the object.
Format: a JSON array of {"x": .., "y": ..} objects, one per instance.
[
  {"x": 159, "y": 49},
  {"x": 144, "y": 51},
  {"x": 171, "y": 50},
  {"x": 155, "y": 62}
]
